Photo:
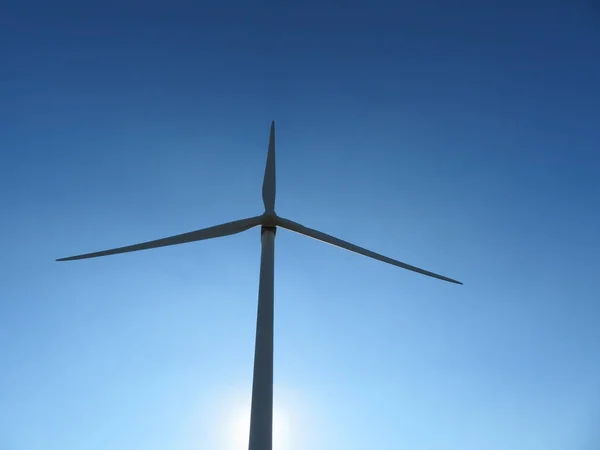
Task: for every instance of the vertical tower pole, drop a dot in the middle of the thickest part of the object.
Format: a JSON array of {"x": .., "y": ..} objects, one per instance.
[{"x": 261, "y": 412}]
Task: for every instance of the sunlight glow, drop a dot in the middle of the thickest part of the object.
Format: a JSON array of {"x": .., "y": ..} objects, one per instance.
[
  {"x": 229, "y": 424},
  {"x": 239, "y": 429}
]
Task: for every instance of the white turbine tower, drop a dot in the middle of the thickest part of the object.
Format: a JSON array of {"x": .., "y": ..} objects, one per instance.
[{"x": 261, "y": 416}]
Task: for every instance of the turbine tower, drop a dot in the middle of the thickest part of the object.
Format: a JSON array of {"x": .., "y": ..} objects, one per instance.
[{"x": 261, "y": 415}]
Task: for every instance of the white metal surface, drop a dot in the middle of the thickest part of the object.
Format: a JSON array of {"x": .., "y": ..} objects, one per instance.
[{"x": 261, "y": 421}]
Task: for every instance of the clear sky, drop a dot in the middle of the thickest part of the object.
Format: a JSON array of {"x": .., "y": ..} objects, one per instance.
[{"x": 462, "y": 137}]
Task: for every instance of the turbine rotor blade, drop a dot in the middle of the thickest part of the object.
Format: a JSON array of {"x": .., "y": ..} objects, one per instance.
[
  {"x": 268, "y": 189},
  {"x": 224, "y": 229},
  {"x": 301, "y": 229}
]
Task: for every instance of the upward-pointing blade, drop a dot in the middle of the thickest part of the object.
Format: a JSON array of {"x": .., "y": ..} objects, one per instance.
[
  {"x": 301, "y": 229},
  {"x": 268, "y": 190},
  {"x": 224, "y": 229}
]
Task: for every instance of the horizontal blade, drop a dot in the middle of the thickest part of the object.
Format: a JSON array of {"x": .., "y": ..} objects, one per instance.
[
  {"x": 301, "y": 229},
  {"x": 224, "y": 229}
]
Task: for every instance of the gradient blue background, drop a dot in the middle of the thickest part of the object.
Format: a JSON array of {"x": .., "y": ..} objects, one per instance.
[{"x": 462, "y": 137}]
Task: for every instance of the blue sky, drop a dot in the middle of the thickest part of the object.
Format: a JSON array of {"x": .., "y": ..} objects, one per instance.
[{"x": 459, "y": 137}]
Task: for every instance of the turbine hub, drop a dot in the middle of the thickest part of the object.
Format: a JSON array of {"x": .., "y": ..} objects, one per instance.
[{"x": 269, "y": 220}]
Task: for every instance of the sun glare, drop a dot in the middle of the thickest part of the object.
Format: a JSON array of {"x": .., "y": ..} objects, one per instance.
[
  {"x": 240, "y": 429},
  {"x": 231, "y": 414}
]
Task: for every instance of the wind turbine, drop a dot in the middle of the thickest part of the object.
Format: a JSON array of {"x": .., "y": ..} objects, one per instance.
[{"x": 261, "y": 414}]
